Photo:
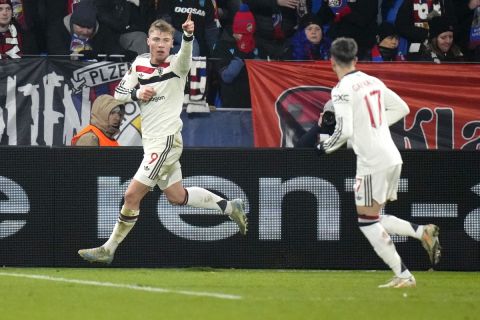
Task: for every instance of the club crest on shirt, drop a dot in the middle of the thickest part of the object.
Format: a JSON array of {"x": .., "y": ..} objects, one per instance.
[{"x": 160, "y": 71}]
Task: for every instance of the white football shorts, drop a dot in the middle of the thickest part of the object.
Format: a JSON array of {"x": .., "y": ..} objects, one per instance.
[
  {"x": 379, "y": 186},
  {"x": 160, "y": 165}
]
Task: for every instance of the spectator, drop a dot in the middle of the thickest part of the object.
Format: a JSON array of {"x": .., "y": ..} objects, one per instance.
[
  {"x": 322, "y": 130},
  {"x": 467, "y": 33},
  {"x": 14, "y": 41},
  {"x": 413, "y": 17},
  {"x": 309, "y": 42},
  {"x": 276, "y": 22},
  {"x": 227, "y": 10},
  {"x": 129, "y": 20},
  {"x": 36, "y": 15},
  {"x": 440, "y": 47},
  {"x": 80, "y": 33},
  {"x": 105, "y": 120},
  {"x": 355, "y": 19},
  {"x": 203, "y": 14},
  {"x": 386, "y": 48},
  {"x": 231, "y": 50}
]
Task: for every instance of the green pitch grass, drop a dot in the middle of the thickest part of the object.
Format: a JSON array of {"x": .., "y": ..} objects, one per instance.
[{"x": 108, "y": 293}]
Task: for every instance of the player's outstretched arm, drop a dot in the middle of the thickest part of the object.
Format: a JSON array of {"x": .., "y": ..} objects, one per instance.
[{"x": 184, "y": 59}]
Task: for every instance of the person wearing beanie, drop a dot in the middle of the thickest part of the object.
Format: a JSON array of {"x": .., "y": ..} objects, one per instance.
[
  {"x": 386, "y": 48},
  {"x": 413, "y": 18},
  {"x": 440, "y": 46},
  {"x": 105, "y": 120},
  {"x": 309, "y": 42},
  {"x": 231, "y": 50},
  {"x": 80, "y": 33}
]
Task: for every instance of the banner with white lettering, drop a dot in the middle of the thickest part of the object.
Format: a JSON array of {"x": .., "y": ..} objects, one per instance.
[
  {"x": 301, "y": 209},
  {"x": 46, "y": 101}
]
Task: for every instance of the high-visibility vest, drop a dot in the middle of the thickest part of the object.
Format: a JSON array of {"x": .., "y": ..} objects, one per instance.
[{"x": 103, "y": 140}]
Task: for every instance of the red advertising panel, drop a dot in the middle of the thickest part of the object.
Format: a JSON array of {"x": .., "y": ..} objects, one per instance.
[{"x": 444, "y": 101}]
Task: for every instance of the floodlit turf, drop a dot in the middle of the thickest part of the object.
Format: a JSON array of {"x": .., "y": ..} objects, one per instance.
[{"x": 108, "y": 293}]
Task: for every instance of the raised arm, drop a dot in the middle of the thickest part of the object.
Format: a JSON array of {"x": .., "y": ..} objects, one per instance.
[{"x": 184, "y": 58}]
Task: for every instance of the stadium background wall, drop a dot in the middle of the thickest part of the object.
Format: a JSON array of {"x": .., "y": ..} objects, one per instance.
[{"x": 54, "y": 201}]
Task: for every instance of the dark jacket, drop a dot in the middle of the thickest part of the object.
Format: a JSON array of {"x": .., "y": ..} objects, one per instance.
[
  {"x": 203, "y": 15},
  {"x": 122, "y": 16},
  {"x": 60, "y": 35},
  {"x": 405, "y": 22},
  {"x": 360, "y": 24},
  {"x": 233, "y": 77},
  {"x": 263, "y": 10}
]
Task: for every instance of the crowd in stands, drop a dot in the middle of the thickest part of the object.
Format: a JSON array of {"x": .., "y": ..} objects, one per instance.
[{"x": 229, "y": 31}]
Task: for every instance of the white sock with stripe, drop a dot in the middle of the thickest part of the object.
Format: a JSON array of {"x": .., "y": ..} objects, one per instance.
[
  {"x": 394, "y": 225},
  {"x": 384, "y": 247},
  {"x": 124, "y": 224},
  {"x": 202, "y": 198}
]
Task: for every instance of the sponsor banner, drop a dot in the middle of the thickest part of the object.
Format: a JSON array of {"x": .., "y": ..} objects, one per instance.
[
  {"x": 287, "y": 98},
  {"x": 301, "y": 216},
  {"x": 46, "y": 101}
]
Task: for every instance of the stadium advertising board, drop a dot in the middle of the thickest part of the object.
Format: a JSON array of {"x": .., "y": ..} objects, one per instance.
[
  {"x": 54, "y": 201},
  {"x": 288, "y": 97}
]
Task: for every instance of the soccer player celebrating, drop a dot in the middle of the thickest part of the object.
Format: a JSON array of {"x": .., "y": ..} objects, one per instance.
[
  {"x": 364, "y": 110},
  {"x": 157, "y": 81}
]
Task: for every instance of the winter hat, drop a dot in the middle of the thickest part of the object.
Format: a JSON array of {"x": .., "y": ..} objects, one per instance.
[
  {"x": 439, "y": 25},
  {"x": 309, "y": 19},
  {"x": 385, "y": 30},
  {"x": 9, "y": 2},
  {"x": 85, "y": 14},
  {"x": 243, "y": 21}
]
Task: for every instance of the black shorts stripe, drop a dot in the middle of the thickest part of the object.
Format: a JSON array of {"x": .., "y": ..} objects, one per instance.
[
  {"x": 368, "y": 190},
  {"x": 162, "y": 158}
]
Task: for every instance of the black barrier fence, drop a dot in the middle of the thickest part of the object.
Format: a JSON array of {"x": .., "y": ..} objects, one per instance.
[{"x": 54, "y": 201}]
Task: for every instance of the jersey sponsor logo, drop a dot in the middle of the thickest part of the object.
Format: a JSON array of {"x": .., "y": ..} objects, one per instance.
[
  {"x": 194, "y": 11},
  {"x": 156, "y": 99},
  {"x": 340, "y": 98}
]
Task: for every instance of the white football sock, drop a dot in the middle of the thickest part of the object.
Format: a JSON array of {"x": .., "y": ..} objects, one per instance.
[
  {"x": 124, "y": 224},
  {"x": 202, "y": 198},
  {"x": 394, "y": 225},
  {"x": 385, "y": 249}
]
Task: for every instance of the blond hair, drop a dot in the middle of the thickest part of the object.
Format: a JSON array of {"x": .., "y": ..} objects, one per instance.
[{"x": 162, "y": 26}]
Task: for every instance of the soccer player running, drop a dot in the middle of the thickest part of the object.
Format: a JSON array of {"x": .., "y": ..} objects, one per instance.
[
  {"x": 157, "y": 81},
  {"x": 364, "y": 110}
]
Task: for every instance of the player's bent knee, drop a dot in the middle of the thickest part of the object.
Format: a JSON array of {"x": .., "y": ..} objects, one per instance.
[{"x": 176, "y": 201}]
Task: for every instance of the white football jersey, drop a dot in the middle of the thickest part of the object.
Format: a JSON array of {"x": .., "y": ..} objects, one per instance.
[
  {"x": 161, "y": 114},
  {"x": 364, "y": 110}
]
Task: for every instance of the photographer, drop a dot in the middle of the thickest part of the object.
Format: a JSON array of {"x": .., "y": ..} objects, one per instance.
[{"x": 321, "y": 131}]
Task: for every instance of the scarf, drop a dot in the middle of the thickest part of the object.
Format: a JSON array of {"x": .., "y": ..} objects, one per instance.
[{"x": 10, "y": 43}]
